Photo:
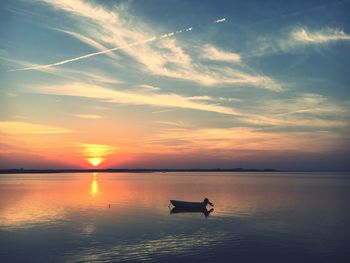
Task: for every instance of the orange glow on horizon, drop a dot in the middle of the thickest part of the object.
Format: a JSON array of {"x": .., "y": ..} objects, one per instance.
[{"x": 96, "y": 153}]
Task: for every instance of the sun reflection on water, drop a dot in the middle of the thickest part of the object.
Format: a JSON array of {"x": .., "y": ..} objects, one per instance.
[{"x": 94, "y": 189}]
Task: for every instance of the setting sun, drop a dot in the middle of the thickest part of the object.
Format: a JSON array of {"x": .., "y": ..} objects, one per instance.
[
  {"x": 95, "y": 153},
  {"x": 95, "y": 161}
]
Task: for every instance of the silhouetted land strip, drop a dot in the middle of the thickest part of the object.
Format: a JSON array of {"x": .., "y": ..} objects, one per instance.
[{"x": 29, "y": 171}]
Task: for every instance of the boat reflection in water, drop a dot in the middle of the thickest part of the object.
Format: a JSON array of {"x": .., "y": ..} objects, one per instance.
[{"x": 204, "y": 210}]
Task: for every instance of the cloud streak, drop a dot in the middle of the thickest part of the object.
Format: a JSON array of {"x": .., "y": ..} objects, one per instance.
[
  {"x": 157, "y": 54},
  {"x": 146, "y": 87},
  {"x": 102, "y": 49},
  {"x": 89, "y": 41},
  {"x": 228, "y": 140},
  {"x": 133, "y": 98},
  {"x": 15, "y": 127},
  {"x": 92, "y": 75},
  {"x": 38, "y": 67},
  {"x": 296, "y": 39},
  {"x": 212, "y": 53},
  {"x": 306, "y": 36},
  {"x": 88, "y": 116},
  {"x": 305, "y": 111}
]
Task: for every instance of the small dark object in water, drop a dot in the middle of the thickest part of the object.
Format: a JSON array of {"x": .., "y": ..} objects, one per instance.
[{"x": 186, "y": 204}]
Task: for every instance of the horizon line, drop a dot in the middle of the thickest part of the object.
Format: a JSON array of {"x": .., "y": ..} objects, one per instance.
[{"x": 135, "y": 170}]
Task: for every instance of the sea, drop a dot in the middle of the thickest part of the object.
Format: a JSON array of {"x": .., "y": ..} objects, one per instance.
[{"x": 127, "y": 217}]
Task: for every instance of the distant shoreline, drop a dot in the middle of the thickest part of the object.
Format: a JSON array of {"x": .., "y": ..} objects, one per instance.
[
  {"x": 126, "y": 170},
  {"x": 29, "y": 171}
]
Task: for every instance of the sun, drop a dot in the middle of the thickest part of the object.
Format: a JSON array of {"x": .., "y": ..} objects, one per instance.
[
  {"x": 95, "y": 154},
  {"x": 95, "y": 161}
]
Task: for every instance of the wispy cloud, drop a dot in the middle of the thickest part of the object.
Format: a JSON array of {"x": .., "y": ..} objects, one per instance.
[
  {"x": 242, "y": 138},
  {"x": 300, "y": 122},
  {"x": 163, "y": 111},
  {"x": 92, "y": 76},
  {"x": 15, "y": 127},
  {"x": 24, "y": 64},
  {"x": 212, "y": 53},
  {"x": 319, "y": 36},
  {"x": 295, "y": 39},
  {"x": 306, "y": 110},
  {"x": 162, "y": 56},
  {"x": 88, "y": 116},
  {"x": 310, "y": 103},
  {"x": 119, "y": 36},
  {"x": 146, "y": 87},
  {"x": 90, "y": 42},
  {"x": 89, "y": 74},
  {"x": 237, "y": 77},
  {"x": 59, "y": 63},
  {"x": 133, "y": 98},
  {"x": 174, "y": 123}
]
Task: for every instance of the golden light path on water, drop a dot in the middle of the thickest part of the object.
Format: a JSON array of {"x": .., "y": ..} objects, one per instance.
[{"x": 94, "y": 185}]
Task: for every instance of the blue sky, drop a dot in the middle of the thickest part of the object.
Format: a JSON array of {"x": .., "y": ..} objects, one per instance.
[{"x": 188, "y": 83}]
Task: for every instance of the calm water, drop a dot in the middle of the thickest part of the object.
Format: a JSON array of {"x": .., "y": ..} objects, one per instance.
[{"x": 258, "y": 217}]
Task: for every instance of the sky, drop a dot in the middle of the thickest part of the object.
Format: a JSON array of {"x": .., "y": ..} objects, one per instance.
[{"x": 175, "y": 84}]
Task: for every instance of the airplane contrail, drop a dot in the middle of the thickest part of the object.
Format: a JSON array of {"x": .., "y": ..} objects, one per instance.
[
  {"x": 84, "y": 56},
  {"x": 43, "y": 66}
]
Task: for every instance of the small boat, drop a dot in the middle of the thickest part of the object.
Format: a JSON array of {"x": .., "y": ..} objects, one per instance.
[{"x": 185, "y": 204}]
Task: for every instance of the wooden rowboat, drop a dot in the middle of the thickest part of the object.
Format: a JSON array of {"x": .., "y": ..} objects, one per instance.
[{"x": 185, "y": 204}]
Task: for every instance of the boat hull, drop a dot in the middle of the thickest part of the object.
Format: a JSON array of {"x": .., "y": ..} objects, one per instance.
[{"x": 184, "y": 204}]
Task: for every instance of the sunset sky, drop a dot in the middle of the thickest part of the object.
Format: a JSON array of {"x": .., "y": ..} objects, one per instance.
[{"x": 175, "y": 84}]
